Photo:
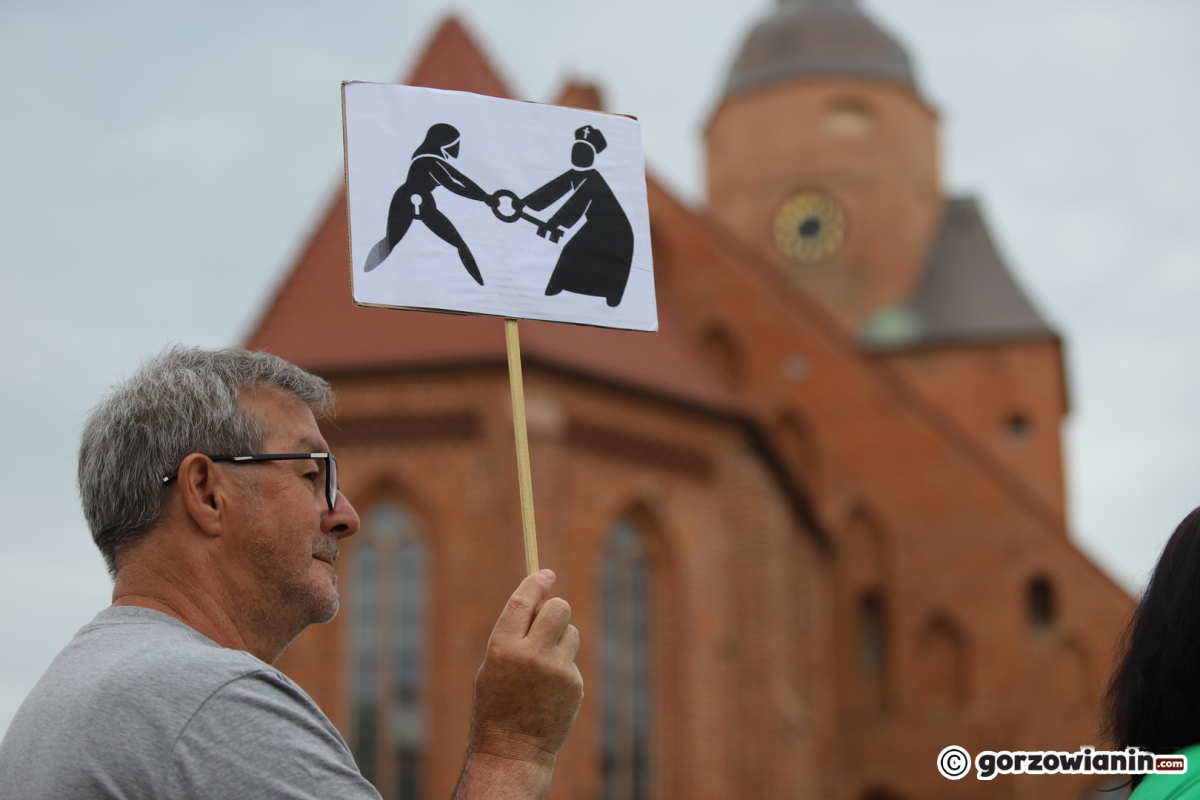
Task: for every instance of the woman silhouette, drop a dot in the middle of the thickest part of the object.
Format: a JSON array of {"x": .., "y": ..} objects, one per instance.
[{"x": 428, "y": 170}]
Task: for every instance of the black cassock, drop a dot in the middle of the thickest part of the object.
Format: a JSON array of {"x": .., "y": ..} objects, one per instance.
[{"x": 597, "y": 259}]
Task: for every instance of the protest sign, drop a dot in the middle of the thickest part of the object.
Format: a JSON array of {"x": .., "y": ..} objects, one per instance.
[{"x": 471, "y": 204}]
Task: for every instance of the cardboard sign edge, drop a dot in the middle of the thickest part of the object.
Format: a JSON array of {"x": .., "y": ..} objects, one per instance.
[{"x": 453, "y": 313}]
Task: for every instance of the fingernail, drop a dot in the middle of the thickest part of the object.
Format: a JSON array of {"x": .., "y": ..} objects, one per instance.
[{"x": 548, "y": 574}]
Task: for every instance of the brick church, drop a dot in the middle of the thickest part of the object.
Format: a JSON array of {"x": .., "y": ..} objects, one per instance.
[{"x": 812, "y": 530}]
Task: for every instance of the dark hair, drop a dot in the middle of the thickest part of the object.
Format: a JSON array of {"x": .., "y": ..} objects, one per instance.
[
  {"x": 439, "y": 136},
  {"x": 1153, "y": 701}
]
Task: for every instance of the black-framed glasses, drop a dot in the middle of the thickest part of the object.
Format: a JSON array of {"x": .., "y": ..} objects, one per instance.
[{"x": 331, "y": 481}]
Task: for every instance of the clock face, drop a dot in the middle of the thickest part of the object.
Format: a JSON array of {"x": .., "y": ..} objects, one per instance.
[{"x": 809, "y": 227}]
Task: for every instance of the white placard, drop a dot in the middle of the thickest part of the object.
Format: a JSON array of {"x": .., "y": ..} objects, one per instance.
[{"x": 472, "y": 204}]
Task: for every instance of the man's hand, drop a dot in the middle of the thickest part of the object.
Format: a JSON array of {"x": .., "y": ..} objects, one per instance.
[{"x": 527, "y": 695}]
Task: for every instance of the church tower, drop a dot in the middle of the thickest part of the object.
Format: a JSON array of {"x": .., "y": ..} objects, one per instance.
[{"x": 822, "y": 154}]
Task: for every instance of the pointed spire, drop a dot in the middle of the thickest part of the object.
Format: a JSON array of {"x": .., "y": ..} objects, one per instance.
[
  {"x": 577, "y": 94},
  {"x": 453, "y": 60}
]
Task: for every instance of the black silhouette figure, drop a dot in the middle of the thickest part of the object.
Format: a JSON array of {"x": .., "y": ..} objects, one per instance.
[
  {"x": 414, "y": 199},
  {"x": 597, "y": 259}
]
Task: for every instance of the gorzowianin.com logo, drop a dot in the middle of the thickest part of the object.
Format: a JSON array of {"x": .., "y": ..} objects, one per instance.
[{"x": 954, "y": 762}]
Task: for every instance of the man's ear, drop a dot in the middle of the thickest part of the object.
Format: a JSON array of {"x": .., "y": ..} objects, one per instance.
[{"x": 204, "y": 492}]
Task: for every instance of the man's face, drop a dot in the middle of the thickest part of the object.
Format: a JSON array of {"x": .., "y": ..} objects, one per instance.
[{"x": 286, "y": 536}]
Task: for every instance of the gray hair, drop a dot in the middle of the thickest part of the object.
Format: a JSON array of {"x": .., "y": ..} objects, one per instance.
[{"x": 181, "y": 401}]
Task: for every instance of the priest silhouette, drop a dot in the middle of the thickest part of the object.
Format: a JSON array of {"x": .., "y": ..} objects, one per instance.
[
  {"x": 597, "y": 259},
  {"x": 429, "y": 169}
]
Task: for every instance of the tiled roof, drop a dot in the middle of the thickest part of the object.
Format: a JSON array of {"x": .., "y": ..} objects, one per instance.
[{"x": 453, "y": 60}]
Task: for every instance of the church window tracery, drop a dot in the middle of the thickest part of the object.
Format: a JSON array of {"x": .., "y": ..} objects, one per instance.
[
  {"x": 627, "y": 669},
  {"x": 388, "y": 633}
]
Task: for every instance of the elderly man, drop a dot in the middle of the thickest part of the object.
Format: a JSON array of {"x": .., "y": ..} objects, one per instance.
[{"x": 214, "y": 500}]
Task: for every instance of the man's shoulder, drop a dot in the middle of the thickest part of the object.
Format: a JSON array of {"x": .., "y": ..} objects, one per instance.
[
  {"x": 115, "y": 699},
  {"x": 261, "y": 735},
  {"x": 142, "y": 649},
  {"x": 134, "y": 661},
  {"x": 167, "y": 668},
  {"x": 142, "y": 701}
]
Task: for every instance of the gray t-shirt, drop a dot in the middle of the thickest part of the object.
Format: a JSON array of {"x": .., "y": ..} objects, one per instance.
[{"x": 139, "y": 705}]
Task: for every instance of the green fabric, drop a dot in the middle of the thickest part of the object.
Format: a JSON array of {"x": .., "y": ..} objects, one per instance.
[{"x": 1173, "y": 787}]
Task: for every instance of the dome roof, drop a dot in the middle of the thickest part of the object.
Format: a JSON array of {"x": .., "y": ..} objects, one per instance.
[{"x": 830, "y": 38}]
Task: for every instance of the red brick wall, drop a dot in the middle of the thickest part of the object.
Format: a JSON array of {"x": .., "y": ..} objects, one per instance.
[{"x": 982, "y": 387}]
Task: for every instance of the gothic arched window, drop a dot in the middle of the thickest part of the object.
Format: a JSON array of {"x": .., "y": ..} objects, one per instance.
[
  {"x": 797, "y": 445},
  {"x": 388, "y": 633},
  {"x": 626, "y": 694},
  {"x": 941, "y": 677},
  {"x": 365, "y": 654},
  {"x": 1039, "y": 602},
  {"x": 721, "y": 347},
  {"x": 873, "y": 649}
]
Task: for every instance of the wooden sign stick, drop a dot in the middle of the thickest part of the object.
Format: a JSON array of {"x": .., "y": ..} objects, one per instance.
[{"x": 517, "y": 386}]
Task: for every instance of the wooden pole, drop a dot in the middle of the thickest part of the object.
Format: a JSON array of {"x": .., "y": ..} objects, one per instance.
[{"x": 517, "y": 385}]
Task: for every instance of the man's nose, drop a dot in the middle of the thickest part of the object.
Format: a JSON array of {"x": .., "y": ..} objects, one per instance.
[{"x": 343, "y": 521}]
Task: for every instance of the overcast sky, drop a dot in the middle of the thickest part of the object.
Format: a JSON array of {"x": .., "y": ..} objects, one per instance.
[{"x": 162, "y": 162}]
